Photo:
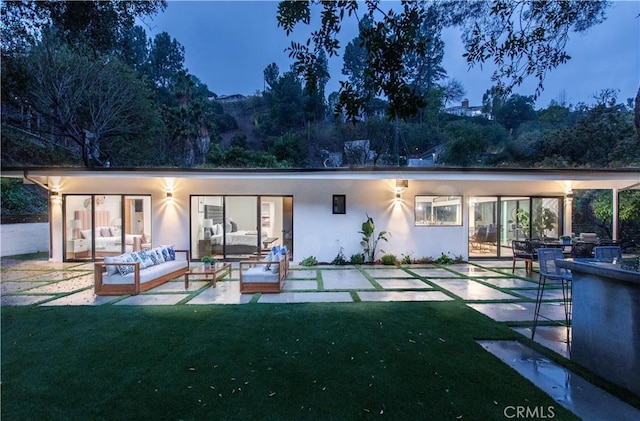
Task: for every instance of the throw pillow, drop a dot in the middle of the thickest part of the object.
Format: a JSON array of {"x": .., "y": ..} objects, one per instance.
[
  {"x": 137, "y": 258},
  {"x": 126, "y": 269},
  {"x": 151, "y": 254},
  {"x": 147, "y": 261},
  {"x": 234, "y": 226},
  {"x": 169, "y": 253},
  {"x": 165, "y": 253},
  {"x": 159, "y": 255},
  {"x": 105, "y": 232}
]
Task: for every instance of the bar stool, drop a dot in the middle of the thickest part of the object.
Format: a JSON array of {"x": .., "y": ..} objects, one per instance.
[{"x": 549, "y": 272}]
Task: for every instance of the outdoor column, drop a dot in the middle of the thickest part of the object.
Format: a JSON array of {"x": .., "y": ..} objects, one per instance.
[
  {"x": 614, "y": 205},
  {"x": 568, "y": 214}
]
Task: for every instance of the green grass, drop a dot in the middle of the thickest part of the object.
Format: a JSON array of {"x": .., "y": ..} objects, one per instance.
[{"x": 401, "y": 361}]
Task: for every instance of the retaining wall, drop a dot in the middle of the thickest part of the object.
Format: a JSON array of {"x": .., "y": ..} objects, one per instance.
[{"x": 24, "y": 238}]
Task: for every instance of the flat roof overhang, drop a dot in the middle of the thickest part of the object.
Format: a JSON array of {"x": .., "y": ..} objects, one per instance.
[{"x": 626, "y": 178}]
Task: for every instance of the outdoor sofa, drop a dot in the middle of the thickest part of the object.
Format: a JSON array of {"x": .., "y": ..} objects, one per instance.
[
  {"x": 267, "y": 275},
  {"x": 132, "y": 273}
]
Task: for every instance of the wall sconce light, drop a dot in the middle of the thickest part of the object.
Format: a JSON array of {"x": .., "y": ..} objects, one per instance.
[
  {"x": 55, "y": 196},
  {"x": 402, "y": 184},
  {"x": 170, "y": 195},
  {"x": 569, "y": 195}
]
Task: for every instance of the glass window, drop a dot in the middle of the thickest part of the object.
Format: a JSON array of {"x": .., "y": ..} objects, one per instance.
[
  {"x": 545, "y": 217},
  {"x": 438, "y": 210}
]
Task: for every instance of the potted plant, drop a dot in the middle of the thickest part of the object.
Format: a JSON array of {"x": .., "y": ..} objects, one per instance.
[
  {"x": 565, "y": 239},
  {"x": 209, "y": 261}
]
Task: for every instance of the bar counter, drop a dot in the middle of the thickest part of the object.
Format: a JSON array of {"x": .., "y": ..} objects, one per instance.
[{"x": 606, "y": 320}]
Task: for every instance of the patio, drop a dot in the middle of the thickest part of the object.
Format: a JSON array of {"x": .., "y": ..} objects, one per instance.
[{"x": 488, "y": 287}]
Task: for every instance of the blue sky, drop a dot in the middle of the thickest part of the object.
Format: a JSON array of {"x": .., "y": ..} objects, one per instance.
[{"x": 229, "y": 43}]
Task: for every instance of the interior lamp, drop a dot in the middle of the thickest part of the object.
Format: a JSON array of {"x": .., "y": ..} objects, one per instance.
[
  {"x": 207, "y": 225},
  {"x": 76, "y": 225}
]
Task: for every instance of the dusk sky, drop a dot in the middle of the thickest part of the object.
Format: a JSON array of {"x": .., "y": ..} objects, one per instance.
[{"x": 229, "y": 43}]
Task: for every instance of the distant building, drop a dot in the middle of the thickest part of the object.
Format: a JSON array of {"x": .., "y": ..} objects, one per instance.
[
  {"x": 231, "y": 98},
  {"x": 465, "y": 110}
]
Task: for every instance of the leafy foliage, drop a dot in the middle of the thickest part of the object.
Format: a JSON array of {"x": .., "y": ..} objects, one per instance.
[
  {"x": 22, "y": 199},
  {"x": 370, "y": 239},
  {"x": 309, "y": 261},
  {"x": 237, "y": 157},
  {"x": 357, "y": 259},
  {"x": 389, "y": 259},
  {"x": 523, "y": 38},
  {"x": 445, "y": 259},
  {"x": 340, "y": 259}
]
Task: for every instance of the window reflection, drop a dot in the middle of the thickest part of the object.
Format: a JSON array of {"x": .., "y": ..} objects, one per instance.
[{"x": 438, "y": 210}]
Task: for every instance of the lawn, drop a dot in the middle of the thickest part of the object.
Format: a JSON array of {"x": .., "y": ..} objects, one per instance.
[{"x": 402, "y": 361}]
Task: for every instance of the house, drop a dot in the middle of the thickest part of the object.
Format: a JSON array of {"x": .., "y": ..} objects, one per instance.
[
  {"x": 464, "y": 110},
  {"x": 235, "y": 213}
]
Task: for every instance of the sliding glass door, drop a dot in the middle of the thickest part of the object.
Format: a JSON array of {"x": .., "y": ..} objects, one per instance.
[
  {"x": 494, "y": 222},
  {"x": 105, "y": 225},
  {"x": 483, "y": 227},
  {"x": 240, "y": 227}
]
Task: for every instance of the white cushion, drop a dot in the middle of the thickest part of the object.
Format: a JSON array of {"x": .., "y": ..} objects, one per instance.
[
  {"x": 276, "y": 258},
  {"x": 112, "y": 269}
]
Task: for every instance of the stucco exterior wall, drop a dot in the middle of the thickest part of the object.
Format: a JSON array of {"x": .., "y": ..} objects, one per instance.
[
  {"x": 28, "y": 238},
  {"x": 317, "y": 231}
]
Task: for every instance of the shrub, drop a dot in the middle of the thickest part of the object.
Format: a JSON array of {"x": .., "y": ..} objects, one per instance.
[
  {"x": 406, "y": 259},
  {"x": 309, "y": 261},
  {"x": 357, "y": 259},
  {"x": 445, "y": 259},
  {"x": 389, "y": 259},
  {"x": 339, "y": 259}
]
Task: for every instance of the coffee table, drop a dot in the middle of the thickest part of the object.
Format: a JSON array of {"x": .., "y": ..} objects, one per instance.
[{"x": 214, "y": 271}]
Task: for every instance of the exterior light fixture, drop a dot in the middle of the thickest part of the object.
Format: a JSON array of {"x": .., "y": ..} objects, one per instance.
[
  {"x": 400, "y": 185},
  {"x": 170, "y": 195},
  {"x": 55, "y": 196}
]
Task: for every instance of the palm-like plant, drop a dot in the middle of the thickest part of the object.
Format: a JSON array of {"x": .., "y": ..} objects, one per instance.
[{"x": 370, "y": 240}]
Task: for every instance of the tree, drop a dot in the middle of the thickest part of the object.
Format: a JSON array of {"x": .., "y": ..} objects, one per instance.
[
  {"x": 97, "y": 23},
  {"x": 524, "y": 38},
  {"x": 166, "y": 59},
  {"x": 515, "y": 111},
  {"x": 314, "y": 100},
  {"x": 133, "y": 49},
  {"x": 425, "y": 71},
  {"x": 89, "y": 102},
  {"x": 271, "y": 74},
  {"x": 284, "y": 98}
]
